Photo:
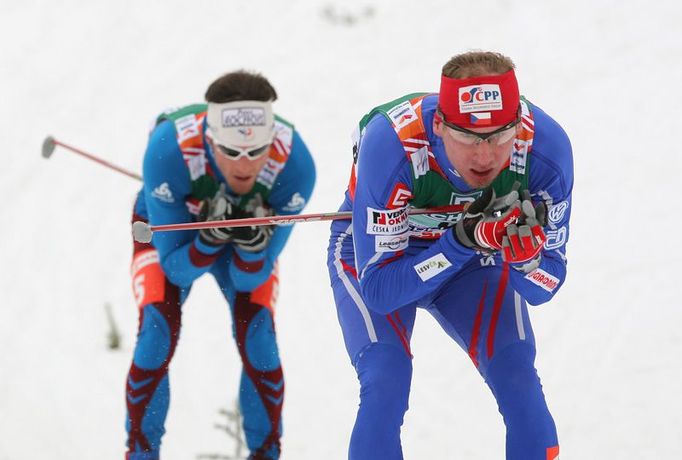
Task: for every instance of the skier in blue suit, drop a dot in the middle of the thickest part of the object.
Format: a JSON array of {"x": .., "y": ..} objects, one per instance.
[
  {"x": 229, "y": 158},
  {"x": 499, "y": 173}
]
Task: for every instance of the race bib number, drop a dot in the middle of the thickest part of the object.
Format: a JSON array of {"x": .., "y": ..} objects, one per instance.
[{"x": 148, "y": 278}]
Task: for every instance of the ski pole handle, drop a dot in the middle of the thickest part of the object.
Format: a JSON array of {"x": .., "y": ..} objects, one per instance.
[{"x": 50, "y": 143}]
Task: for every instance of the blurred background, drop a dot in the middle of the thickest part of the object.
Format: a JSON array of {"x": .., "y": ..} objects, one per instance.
[{"x": 95, "y": 74}]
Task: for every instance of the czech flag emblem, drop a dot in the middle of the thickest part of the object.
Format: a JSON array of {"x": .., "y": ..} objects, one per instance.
[{"x": 481, "y": 119}]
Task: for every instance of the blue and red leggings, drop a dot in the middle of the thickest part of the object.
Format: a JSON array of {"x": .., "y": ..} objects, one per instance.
[
  {"x": 480, "y": 311},
  {"x": 147, "y": 387}
]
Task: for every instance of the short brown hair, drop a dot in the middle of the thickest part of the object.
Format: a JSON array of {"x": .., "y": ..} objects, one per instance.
[
  {"x": 477, "y": 63},
  {"x": 240, "y": 85}
]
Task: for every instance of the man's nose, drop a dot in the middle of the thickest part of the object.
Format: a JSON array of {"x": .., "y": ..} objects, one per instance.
[
  {"x": 244, "y": 163},
  {"x": 483, "y": 153}
]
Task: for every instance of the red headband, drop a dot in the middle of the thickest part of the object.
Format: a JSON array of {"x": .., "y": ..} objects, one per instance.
[{"x": 490, "y": 100}]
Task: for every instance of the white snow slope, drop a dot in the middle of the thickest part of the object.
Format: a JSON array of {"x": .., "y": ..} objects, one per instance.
[{"x": 94, "y": 74}]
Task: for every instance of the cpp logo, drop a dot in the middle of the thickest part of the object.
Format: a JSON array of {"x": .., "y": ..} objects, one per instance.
[
  {"x": 477, "y": 94},
  {"x": 480, "y": 98}
]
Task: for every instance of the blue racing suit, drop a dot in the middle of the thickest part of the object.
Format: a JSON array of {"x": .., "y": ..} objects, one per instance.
[
  {"x": 179, "y": 172},
  {"x": 385, "y": 264}
]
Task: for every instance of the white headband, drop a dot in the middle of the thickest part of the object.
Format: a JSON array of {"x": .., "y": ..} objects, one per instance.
[{"x": 245, "y": 125}]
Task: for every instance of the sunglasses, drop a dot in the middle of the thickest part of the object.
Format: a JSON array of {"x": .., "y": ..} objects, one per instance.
[
  {"x": 235, "y": 154},
  {"x": 497, "y": 137}
]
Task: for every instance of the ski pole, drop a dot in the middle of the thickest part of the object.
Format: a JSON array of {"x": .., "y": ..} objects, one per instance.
[
  {"x": 142, "y": 231},
  {"x": 50, "y": 143}
]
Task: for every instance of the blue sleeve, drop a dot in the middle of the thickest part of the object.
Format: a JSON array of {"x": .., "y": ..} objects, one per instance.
[
  {"x": 389, "y": 276},
  {"x": 166, "y": 186},
  {"x": 289, "y": 196},
  {"x": 551, "y": 180}
]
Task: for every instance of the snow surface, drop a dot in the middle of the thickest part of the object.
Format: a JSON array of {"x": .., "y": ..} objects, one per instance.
[{"x": 94, "y": 74}]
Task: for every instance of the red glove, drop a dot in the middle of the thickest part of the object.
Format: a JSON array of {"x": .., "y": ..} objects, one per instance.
[
  {"x": 486, "y": 220},
  {"x": 522, "y": 245}
]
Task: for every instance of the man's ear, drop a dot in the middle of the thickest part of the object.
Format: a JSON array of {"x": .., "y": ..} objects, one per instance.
[{"x": 437, "y": 124}]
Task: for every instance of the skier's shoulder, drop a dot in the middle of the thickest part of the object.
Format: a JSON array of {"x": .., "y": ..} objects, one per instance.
[
  {"x": 550, "y": 141},
  {"x": 294, "y": 185},
  {"x": 163, "y": 160},
  {"x": 380, "y": 145},
  {"x": 551, "y": 153}
]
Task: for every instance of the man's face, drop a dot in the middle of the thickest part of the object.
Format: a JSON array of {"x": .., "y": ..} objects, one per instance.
[
  {"x": 240, "y": 173},
  {"x": 478, "y": 163}
]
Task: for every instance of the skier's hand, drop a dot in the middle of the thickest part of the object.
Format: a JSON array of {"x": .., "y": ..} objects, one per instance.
[
  {"x": 485, "y": 222},
  {"x": 218, "y": 208},
  {"x": 522, "y": 245},
  {"x": 254, "y": 238},
  {"x": 250, "y": 239}
]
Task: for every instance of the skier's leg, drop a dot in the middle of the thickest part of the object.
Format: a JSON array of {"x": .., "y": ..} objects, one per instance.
[
  {"x": 484, "y": 314},
  {"x": 261, "y": 391},
  {"x": 147, "y": 389},
  {"x": 531, "y": 433},
  {"x": 379, "y": 349},
  {"x": 385, "y": 373}
]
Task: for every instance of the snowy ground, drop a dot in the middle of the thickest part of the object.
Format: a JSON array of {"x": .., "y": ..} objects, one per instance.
[{"x": 95, "y": 73}]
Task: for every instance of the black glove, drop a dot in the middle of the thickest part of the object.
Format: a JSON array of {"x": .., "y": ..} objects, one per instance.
[
  {"x": 250, "y": 239},
  {"x": 255, "y": 238},
  {"x": 485, "y": 222},
  {"x": 218, "y": 208}
]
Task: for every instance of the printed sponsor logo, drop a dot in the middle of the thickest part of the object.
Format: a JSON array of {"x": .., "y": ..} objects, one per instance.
[
  {"x": 420, "y": 161},
  {"x": 433, "y": 225},
  {"x": 243, "y": 116},
  {"x": 432, "y": 266},
  {"x": 556, "y": 238},
  {"x": 196, "y": 165},
  {"x": 426, "y": 233},
  {"x": 439, "y": 221},
  {"x": 386, "y": 221},
  {"x": 557, "y": 212},
  {"x": 296, "y": 203},
  {"x": 402, "y": 115},
  {"x": 284, "y": 134},
  {"x": 186, "y": 127},
  {"x": 163, "y": 193},
  {"x": 487, "y": 260},
  {"x": 517, "y": 162},
  {"x": 294, "y": 220},
  {"x": 463, "y": 198},
  {"x": 269, "y": 173},
  {"x": 391, "y": 243},
  {"x": 246, "y": 132},
  {"x": 143, "y": 259},
  {"x": 480, "y": 98},
  {"x": 543, "y": 279},
  {"x": 399, "y": 197}
]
